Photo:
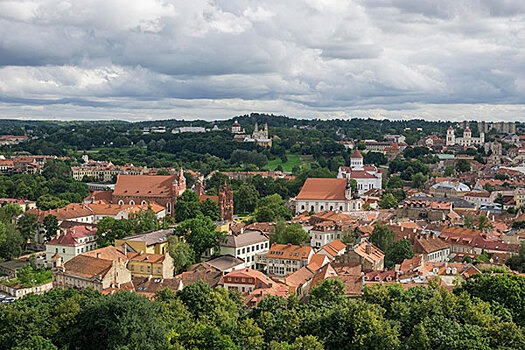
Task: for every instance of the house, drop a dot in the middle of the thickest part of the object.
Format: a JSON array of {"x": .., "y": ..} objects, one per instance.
[
  {"x": 246, "y": 245},
  {"x": 91, "y": 271},
  {"x": 333, "y": 249},
  {"x": 154, "y": 265},
  {"x": 245, "y": 280},
  {"x": 320, "y": 194},
  {"x": 300, "y": 282},
  {"x": 155, "y": 242},
  {"x": 284, "y": 259},
  {"x": 74, "y": 241},
  {"x": 325, "y": 232},
  {"x": 418, "y": 271},
  {"x": 226, "y": 263},
  {"x": 475, "y": 242},
  {"x": 10, "y": 268},
  {"x": 149, "y": 286},
  {"x": 449, "y": 189},
  {"x": 23, "y": 203},
  {"x": 276, "y": 289},
  {"x": 366, "y": 254},
  {"x": 432, "y": 248},
  {"x": 367, "y": 176},
  {"x": 201, "y": 272},
  {"x": 102, "y": 209}
]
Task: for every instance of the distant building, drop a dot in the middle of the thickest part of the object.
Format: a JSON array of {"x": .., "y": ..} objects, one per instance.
[
  {"x": 285, "y": 259},
  {"x": 466, "y": 141},
  {"x": 366, "y": 254},
  {"x": 247, "y": 246},
  {"x": 237, "y": 128},
  {"x": 318, "y": 194},
  {"x": 367, "y": 176},
  {"x": 72, "y": 242}
]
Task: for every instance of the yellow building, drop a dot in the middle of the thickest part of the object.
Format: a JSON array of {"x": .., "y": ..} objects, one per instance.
[
  {"x": 152, "y": 243},
  {"x": 154, "y": 265}
]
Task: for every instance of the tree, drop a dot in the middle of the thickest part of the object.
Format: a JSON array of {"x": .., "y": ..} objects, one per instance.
[
  {"x": 449, "y": 171},
  {"x": 388, "y": 201},
  {"x": 293, "y": 233},
  {"x": 399, "y": 251},
  {"x": 124, "y": 321},
  {"x": 35, "y": 342},
  {"x": 10, "y": 241},
  {"x": 28, "y": 226},
  {"x": 9, "y": 212},
  {"x": 210, "y": 209},
  {"x": 505, "y": 289},
  {"x": 201, "y": 234},
  {"x": 182, "y": 254},
  {"x": 330, "y": 290},
  {"x": 468, "y": 222},
  {"x": 48, "y": 202},
  {"x": 419, "y": 339},
  {"x": 382, "y": 237},
  {"x": 484, "y": 223},
  {"x": 56, "y": 169},
  {"x": 395, "y": 182},
  {"x": 187, "y": 206},
  {"x": 462, "y": 166},
  {"x": 418, "y": 180},
  {"x": 270, "y": 208},
  {"x": 51, "y": 226},
  {"x": 245, "y": 198},
  {"x": 353, "y": 185}
]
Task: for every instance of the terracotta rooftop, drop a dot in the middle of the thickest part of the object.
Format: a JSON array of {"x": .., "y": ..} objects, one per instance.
[
  {"x": 72, "y": 236},
  {"x": 144, "y": 185},
  {"x": 323, "y": 189},
  {"x": 248, "y": 237},
  {"x": 429, "y": 245},
  {"x": 87, "y": 266},
  {"x": 374, "y": 255},
  {"x": 107, "y": 253},
  {"x": 289, "y": 252},
  {"x": 70, "y": 211}
]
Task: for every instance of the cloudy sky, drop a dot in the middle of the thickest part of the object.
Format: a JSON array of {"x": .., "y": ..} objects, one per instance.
[{"x": 148, "y": 59}]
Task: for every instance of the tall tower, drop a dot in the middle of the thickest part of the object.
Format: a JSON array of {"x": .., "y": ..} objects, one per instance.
[
  {"x": 451, "y": 137},
  {"x": 356, "y": 160},
  {"x": 226, "y": 203},
  {"x": 467, "y": 134}
]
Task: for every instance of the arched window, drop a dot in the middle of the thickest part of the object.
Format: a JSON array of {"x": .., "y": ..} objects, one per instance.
[
  {"x": 120, "y": 202},
  {"x": 143, "y": 203},
  {"x": 168, "y": 208},
  {"x": 132, "y": 202}
]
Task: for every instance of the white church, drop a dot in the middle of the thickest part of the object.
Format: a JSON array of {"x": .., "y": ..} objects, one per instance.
[
  {"x": 368, "y": 177},
  {"x": 466, "y": 141}
]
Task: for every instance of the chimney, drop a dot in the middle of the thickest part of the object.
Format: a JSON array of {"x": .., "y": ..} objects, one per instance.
[
  {"x": 368, "y": 248},
  {"x": 99, "y": 255}
]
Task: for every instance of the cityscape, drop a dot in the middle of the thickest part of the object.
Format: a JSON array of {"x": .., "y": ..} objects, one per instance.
[{"x": 262, "y": 175}]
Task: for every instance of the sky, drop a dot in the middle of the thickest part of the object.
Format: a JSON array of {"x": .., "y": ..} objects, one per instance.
[{"x": 197, "y": 59}]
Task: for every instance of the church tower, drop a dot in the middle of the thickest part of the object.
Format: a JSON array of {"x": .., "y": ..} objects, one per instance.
[
  {"x": 451, "y": 137},
  {"x": 226, "y": 203},
  {"x": 356, "y": 160}
]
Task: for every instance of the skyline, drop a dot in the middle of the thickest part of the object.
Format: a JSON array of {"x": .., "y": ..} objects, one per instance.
[{"x": 79, "y": 60}]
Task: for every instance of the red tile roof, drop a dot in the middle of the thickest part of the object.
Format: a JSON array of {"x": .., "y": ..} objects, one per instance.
[
  {"x": 323, "y": 189},
  {"x": 144, "y": 185}
]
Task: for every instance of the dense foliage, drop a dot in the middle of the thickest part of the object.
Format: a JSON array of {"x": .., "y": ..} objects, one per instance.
[{"x": 198, "y": 317}]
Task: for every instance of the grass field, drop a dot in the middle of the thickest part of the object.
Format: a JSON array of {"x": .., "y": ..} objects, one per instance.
[{"x": 293, "y": 161}]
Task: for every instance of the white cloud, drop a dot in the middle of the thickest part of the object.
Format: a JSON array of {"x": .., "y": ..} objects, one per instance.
[{"x": 218, "y": 58}]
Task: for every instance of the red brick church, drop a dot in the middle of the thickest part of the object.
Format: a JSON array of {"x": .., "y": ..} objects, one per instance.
[{"x": 159, "y": 189}]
